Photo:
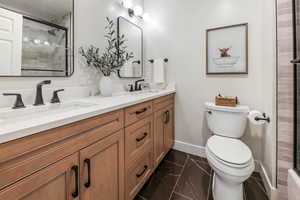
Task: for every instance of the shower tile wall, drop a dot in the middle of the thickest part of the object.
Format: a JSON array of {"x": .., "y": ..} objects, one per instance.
[
  {"x": 48, "y": 43},
  {"x": 285, "y": 94}
]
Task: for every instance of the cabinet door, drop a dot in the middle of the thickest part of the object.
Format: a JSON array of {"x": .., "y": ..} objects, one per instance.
[
  {"x": 102, "y": 169},
  {"x": 169, "y": 128},
  {"x": 159, "y": 144},
  {"x": 59, "y": 181}
]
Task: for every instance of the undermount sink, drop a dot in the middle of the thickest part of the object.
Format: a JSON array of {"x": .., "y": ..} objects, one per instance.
[
  {"x": 38, "y": 111},
  {"x": 143, "y": 92}
]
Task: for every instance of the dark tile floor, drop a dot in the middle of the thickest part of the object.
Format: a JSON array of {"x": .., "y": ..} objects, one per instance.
[{"x": 182, "y": 176}]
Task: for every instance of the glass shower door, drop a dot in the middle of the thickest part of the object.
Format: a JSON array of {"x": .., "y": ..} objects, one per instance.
[{"x": 296, "y": 62}]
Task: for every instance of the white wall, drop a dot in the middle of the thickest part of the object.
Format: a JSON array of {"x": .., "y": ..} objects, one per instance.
[
  {"x": 269, "y": 56},
  {"x": 177, "y": 31}
]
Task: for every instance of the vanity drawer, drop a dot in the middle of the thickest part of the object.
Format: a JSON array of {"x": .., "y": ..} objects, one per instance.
[
  {"x": 23, "y": 157},
  {"x": 163, "y": 102},
  {"x": 19, "y": 147},
  {"x": 137, "y": 137},
  {"x": 138, "y": 173},
  {"x": 137, "y": 112}
]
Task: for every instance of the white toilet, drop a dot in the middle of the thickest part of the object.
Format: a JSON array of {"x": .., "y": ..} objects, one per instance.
[{"x": 229, "y": 157}]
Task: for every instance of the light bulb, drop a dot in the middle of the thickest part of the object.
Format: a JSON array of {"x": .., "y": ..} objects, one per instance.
[
  {"x": 46, "y": 43},
  {"x": 37, "y": 41},
  {"x": 146, "y": 16},
  {"x": 138, "y": 11},
  {"x": 127, "y": 3}
]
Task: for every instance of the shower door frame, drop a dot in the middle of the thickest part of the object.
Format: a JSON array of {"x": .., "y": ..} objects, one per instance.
[{"x": 295, "y": 66}]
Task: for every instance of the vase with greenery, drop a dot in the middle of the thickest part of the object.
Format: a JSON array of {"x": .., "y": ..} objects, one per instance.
[{"x": 112, "y": 59}]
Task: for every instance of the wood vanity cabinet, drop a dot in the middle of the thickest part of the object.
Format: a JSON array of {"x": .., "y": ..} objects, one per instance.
[
  {"x": 52, "y": 165},
  {"x": 107, "y": 157},
  {"x": 163, "y": 130}
]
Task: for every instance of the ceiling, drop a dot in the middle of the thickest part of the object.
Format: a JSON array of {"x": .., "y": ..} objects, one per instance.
[{"x": 45, "y": 9}]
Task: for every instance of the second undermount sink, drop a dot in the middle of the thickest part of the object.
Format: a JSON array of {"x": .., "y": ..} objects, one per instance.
[
  {"x": 136, "y": 93},
  {"x": 40, "y": 111}
]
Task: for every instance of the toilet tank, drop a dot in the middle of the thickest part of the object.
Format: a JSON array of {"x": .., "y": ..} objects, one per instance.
[{"x": 227, "y": 121}]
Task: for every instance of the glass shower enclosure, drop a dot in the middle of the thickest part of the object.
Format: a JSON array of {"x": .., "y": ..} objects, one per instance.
[{"x": 296, "y": 62}]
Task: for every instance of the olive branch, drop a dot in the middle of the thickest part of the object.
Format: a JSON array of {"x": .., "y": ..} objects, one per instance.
[{"x": 114, "y": 56}]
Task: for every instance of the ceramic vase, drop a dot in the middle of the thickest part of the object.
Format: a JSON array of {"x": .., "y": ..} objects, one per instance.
[{"x": 106, "y": 86}]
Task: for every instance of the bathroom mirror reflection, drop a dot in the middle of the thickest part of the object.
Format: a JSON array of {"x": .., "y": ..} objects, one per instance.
[
  {"x": 36, "y": 38},
  {"x": 134, "y": 35}
]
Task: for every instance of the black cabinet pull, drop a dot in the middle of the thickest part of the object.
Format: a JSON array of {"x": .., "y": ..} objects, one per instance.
[
  {"x": 143, "y": 172},
  {"x": 141, "y": 111},
  {"x": 166, "y": 117},
  {"x": 76, "y": 193},
  {"x": 142, "y": 138},
  {"x": 88, "y": 163}
]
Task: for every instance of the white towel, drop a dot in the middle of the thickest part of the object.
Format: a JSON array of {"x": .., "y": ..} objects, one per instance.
[{"x": 159, "y": 71}]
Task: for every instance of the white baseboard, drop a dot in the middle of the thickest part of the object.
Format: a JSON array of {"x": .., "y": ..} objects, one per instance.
[
  {"x": 190, "y": 148},
  {"x": 200, "y": 151},
  {"x": 271, "y": 190}
]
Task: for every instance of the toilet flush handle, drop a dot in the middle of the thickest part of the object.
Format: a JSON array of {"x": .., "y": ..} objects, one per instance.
[{"x": 209, "y": 112}]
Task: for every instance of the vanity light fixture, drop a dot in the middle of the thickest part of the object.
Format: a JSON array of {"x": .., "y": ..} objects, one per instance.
[
  {"x": 46, "y": 43},
  {"x": 134, "y": 10},
  {"x": 127, "y": 4},
  {"x": 146, "y": 17},
  {"x": 130, "y": 12},
  {"x": 138, "y": 11},
  {"x": 37, "y": 41},
  {"x": 26, "y": 39}
]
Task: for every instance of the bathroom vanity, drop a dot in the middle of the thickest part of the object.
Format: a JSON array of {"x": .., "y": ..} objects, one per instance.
[{"x": 108, "y": 154}]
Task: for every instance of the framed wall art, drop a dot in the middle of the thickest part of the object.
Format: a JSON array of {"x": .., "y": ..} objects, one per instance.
[{"x": 227, "y": 50}]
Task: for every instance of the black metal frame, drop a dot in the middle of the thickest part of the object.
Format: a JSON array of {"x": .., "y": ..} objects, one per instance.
[
  {"x": 142, "y": 45},
  {"x": 43, "y": 70},
  {"x": 246, "y": 26},
  {"x": 295, "y": 86},
  {"x": 40, "y": 20}
]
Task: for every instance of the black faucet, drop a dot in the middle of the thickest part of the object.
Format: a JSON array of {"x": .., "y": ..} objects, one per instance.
[
  {"x": 19, "y": 102},
  {"x": 138, "y": 87},
  {"x": 39, "y": 93},
  {"x": 55, "y": 98}
]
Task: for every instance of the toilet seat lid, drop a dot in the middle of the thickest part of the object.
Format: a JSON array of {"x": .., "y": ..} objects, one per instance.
[{"x": 229, "y": 150}]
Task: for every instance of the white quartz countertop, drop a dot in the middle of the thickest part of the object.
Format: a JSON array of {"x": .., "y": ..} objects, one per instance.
[{"x": 28, "y": 125}]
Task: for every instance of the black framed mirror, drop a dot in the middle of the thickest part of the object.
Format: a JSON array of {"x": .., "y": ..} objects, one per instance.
[
  {"x": 134, "y": 35},
  {"x": 36, "y": 38}
]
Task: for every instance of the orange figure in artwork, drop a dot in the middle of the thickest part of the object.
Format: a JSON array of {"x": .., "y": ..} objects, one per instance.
[{"x": 224, "y": 52}]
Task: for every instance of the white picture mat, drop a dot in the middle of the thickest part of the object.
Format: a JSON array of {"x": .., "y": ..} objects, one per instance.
[{"x": 235, "y": 38}]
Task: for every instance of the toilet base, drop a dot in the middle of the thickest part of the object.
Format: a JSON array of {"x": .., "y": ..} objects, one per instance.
[{"x": 224, "y": 190}]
